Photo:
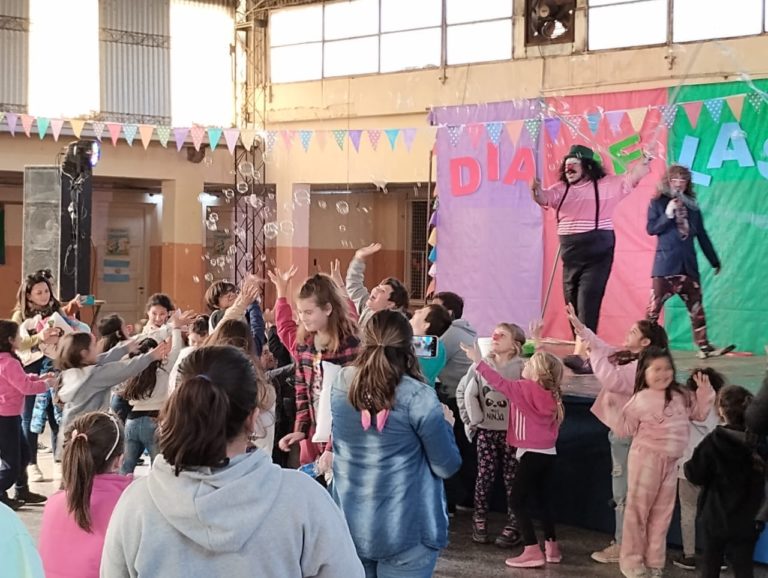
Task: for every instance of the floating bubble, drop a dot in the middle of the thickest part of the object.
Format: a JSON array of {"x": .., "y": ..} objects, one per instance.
[
  {"x": 342, "y": 207},
  {"x": 220, "y": 261},
  {"x": 302, "y": 198},
  {"x": 209, "y": 277},
  {"x": 242, "y": 187},
  {"x": 322, "y": 204},
  {"x": 213, "y": 217},
  {"x": 226, "y": 231},
  {"x": 246, "y": 168},
  {"x": 248, "y": 257},
  {"x": 195, "y": 279},
  {"x": 228, "y": 259},
  {"x": 240, "y": 233},
  {"x": 739, "y": 134},
  {"x": 342, "y": 229},
  {"x": 271, "y": 196},
  {"x": 207, "y": 256},
  {"x": 263, "y": 257},
  {"x": 366, "y": 210},
  {"x": 231, "y": 250},
  {"x": 202, "y": 197},
  {"x": 229, "y": 194},
  {"x": 211, "y": 225},
  {"x": 271, "y": 230},
  {"x": 212, "y": 262},
  {"x": 208, "y": 160},
  {"x": 286, "y": 227},
  {"x": 255, "y": 201}
]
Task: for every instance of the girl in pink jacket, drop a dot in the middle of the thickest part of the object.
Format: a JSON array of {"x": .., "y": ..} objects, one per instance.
[
  {"x": 657, "y": 417},
  {"x": 535, "y": 416},
  {"x": 616, "y": 370},
  {"x": 75, "y": 519}
]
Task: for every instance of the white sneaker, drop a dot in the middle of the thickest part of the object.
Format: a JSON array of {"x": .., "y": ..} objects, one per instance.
[
  {"x": 34, "y": 473},
  {"x": 609, "y": 555},
  {"x": 57, "y": 471}
]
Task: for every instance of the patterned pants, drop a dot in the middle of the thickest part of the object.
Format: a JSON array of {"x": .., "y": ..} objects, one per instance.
[
  {"x": 690, "y": 292},
  {"x": 492, "y": 452}
]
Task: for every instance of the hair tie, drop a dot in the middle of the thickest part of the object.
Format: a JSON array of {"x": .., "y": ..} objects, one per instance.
[
  {"x": 203, "y": 377},
  {"x": 117, "y": 435},
  {"x": 76, "y": 434}
]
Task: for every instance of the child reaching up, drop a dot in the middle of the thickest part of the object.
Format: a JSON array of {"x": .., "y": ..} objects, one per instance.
[
  {"x": 615, "y": 370},
  {"x": 75, "y": 519},
  {"x": 485, "y": 413},
  {"x": 533, "y": 430},
  {"x": 657, "y": 417}
]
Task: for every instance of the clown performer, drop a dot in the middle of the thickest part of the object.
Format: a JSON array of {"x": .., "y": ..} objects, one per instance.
[
  {"x": 584, "y": 200},
  {"x": 675, "y": 219}
]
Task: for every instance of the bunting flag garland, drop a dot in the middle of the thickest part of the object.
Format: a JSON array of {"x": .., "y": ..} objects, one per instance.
[
  {"x": 494, "y": 131},
  {"x": 98, "y": 129},
  {"x": 56, "y": 125},
  {"x": 180, "y": 136},
  {"x": 432, "y": 270},
  {"x": 756, "y": 100},
  {"x": 692, "y": 111},
  {"x": 354, "y": 138},
  {"x": 553, "y": 128},
  {"x": 214, "y": 136},
  {"x": 12, "y": 119},
  {"x": 339, "y": 136},
  {"x": 197, "y": 133},
  {"x": 574, "y": 124},
  {"x": 114, "y": 129},
  {"x": 270, "y": 140},
  {"x": 164, "y": 135},
  {"x": 668, "y": 114},
  {"x": 145, "y": 132},
  {"x": 715, "y": 108},
  {"x": 514, "y": 129},
  {"x": 593, "y": 121},
  {"x": 374, "y": 136},
  {"x": 409, "y": 135},
  {"x": 77, "y": 125},
  {"x": 247, "y": 136},
  {"x": 392, "y": 134},
  {"x": 129, "y": 131},
  {"x": 2, "y": 116},
  {"x": 615, "y": 118},
  {"x": 26, "y": 123},
  {"x": 320, "y": 137},
  {"x": 42, "y": 126},
  {"x": 287, "y": 136},
  {"x": 533, "y": 126},
  {"x": 475, "y": 131},
  {"x": 736, "y": 104},
  {"x": 637, "y": 118},
  {"x": 230, "y": 137},
  {"x": 432, "y": 241},
  {"x": 453, "y": 134},
  {"x": 305, "y": 136}
]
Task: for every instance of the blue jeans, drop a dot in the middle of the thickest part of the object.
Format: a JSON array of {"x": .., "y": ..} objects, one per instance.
[
  {"x": 139, "y": 435},
  {"x": 619, "y": 458},
  {"x": 418, "y": 562}
]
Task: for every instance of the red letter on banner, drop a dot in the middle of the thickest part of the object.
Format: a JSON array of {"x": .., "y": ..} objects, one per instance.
[
  {"x": 493, "y": 162},
  {"x": 522, "y": 167},
  {"x": 458, "y": 167}
]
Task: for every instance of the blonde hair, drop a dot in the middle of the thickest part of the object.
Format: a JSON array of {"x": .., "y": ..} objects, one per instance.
[
  {"x": 518, "y": 336},
  {"x": 549, "y": 375},
  {"x": 323, "y": 290}
]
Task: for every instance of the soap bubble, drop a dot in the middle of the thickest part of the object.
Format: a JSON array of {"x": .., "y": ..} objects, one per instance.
[
  {"x": 271, "y": 230},
  {"x": 228, "y": 259},
  {"x": 242, "y": 187},
  {"x": 301, "y": 197},
  {"x": 263, "y": 257},
  {"x": 248, "y": 257},
  {"x": 240, "y": 233},
  {"x": 322, "y": 204},
  {"x": 342, "y": 228},
  {"x": 226, "y": 231},
  {"x": 209, "y": 277},
  {"x": 246, "y": 168},
  {"x": 208, "y": 160},
  {"x": 195, "y": 279},
  {"x": 287, "y": 227},
  {"x": 366, "y": 210},
  {"x": 229, "y": 194},
  {"x": 271, "y": 196},
  {"x": 211, "y": 225},
  {"x": 231, "y": 250},
  {"x": 202, "y": 197},
  {"x": 255, "y": 201},
  {"x": 212, "y": 262},
  {"x": 342, "y": 207},
  {"x": 213, "y": 217},
  {"x": 738, "y": 134},
  {"x": 220, "y": 261}
]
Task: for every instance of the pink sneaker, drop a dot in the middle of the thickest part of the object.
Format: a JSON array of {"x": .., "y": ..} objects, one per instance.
[
  {"x": 532, "y": 557},
  {"x": 552, "y": 552}
]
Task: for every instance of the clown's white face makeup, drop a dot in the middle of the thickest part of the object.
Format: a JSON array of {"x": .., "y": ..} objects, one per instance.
[{"x": 574, "y": 172}]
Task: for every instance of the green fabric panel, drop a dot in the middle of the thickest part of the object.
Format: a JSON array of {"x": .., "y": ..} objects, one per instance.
[{"x": 735, "y": 211}]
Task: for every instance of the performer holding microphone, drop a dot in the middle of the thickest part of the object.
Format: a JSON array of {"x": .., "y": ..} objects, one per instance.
[{"x": 675, "y": 219}]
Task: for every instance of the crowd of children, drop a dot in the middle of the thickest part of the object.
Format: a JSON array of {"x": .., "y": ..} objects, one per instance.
[{"x": 114, "y": 396}]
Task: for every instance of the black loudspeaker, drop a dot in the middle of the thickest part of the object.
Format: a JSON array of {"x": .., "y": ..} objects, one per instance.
[{"x": 57, "y": 228}]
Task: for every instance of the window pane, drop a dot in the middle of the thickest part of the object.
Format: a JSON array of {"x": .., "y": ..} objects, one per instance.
[
  {"x": 295, "y": 63},
  {"x": 458, "y": 11},
  {"x": 703, "y": 19},
  {"x": 356, "y": 56},
  {"x": 469, "y": 42},
  {"x": 409, "y": 14},
  {"x": 57, "y": 88},
  {"x": 409, "y": 50},
  {"x": 620, "y": 24},
  {"x": 348, "y": 19},
  {"x": 296, "y": 25}
]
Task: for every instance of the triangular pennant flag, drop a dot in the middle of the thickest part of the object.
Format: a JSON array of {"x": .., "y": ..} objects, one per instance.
[
  {"x": 431, "y": 287},
  {"x": 514, "y": 128},
  {"x": 668, "y": 114},
  {"x": 180, "y": 136},
  {"x": 432, "y": 257},
  {"x": 736, "y": 104},
  {"x": 715, "y": 108},
  {"x": 392, "y": 134},
  {"x": 164, "y": 135},
  {"x": 409, "y": 135},
  {"x": 432, "y": 270},
  {"x": 533, "y": 126},
  {"x": 475, "y": 131},
  {"x": 42, "y": 126},
  {"x": 693, "y": 110},
  {"x": 197, "y": 133},
  {"x": 214, "y": 136},
  {"x": 2, "y": 116},
  {"x": 12, "y": 118},
  {"x": 454, "y": 131},
  {"x": 432, "y": 241},
  {"x": 574, "y": 125},
  {"x": 434, "y": 219},
  {"x": 77, "y": 125},
  {"x": 98, "y": 129},
  {"x": 230, "y": 137},
  {"x": 354, "y": 137},
  {"x": 145, "y": 132},
  {"x": 320, "y": 136},
  {"x": 247, "y": 135},
  {"x": 129, "y": 131},
  {"x": 339, "y": 135},
  {"x": 553, "y": 128},
  {"x": 494, "y": 131},
  {"x": 56, "y": 125},
  {"x": 270, "y": 140},
  {"x": 593, "y": 121},
  {"x": 373, "y": 137},
  {"x": 26, "y": 123},
  {"x": 637, "y": 117},
  {"x": 614, "y": 118},
  {"x": 287, "y": 136},
  {"x": 114, "y": 129},
  {"x": 306, "y": 137},
  {"x": 755, "y": 99}
]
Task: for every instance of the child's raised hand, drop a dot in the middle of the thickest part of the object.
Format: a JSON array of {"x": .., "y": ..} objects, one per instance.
[
  {"x": 336, "y": 274},
  {"x": 280, "y": 279},
  {"x": 159, "y": 352},
  {"x": 249, "y": 291},
  {"x": 702, "y": 379},
  {"x": 365, "y": 252},
  {"x": 287, "y": 441},
  {"x": 578, "y": 326},
  {"x": 472, "y": 352},
  {"x": 181, "y": 318},
  {"x": 535, "y": 328}
]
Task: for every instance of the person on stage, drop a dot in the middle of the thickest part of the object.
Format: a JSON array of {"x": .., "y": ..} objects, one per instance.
[
  {"x": 584, "y": 201},
  {"x": 675, "y": 219}
]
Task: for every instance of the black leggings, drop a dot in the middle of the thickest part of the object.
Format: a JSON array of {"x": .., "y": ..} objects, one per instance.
[
  {"x": 533, "y": 480},
  {"x": 587, "y": 262},
  {"x": 738, "y": 552},
  {"x": 14, "y": 452}
]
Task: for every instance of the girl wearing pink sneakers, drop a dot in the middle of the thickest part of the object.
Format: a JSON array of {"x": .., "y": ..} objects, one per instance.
[{"x": 534, "y": 421}]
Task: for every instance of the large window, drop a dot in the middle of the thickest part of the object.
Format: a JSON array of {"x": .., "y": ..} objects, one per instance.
[
  {"x": 479, "y": 31},
  {"x": 705, "y": 19},
  {"x": 622, "y": 23},
  {"x": 63, "y": 65}
]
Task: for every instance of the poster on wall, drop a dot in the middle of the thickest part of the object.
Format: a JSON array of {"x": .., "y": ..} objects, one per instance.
[
  {"x": 220, "y": 242},
  {"x": 118, "y": 242}
]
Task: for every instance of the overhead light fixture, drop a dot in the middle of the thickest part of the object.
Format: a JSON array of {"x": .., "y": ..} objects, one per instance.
[{"x": 81, "y": 156}]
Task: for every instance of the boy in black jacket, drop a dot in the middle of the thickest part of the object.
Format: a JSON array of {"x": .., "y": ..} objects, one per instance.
[{"x": 732, "y": 478}]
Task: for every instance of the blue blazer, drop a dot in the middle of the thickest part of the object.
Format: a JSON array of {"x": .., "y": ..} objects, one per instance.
[{"x": 674, "y": 255}]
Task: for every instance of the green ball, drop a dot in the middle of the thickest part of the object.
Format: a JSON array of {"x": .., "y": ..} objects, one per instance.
[{"x": 529, "y": 348}]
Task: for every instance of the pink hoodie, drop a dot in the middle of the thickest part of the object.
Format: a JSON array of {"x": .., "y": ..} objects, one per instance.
[
  {"x": 67, "y": 550},
  {"x": 532, "y": 423},
  {"x": 617, "y": 382},
  {"x": 15, "y": 384}
]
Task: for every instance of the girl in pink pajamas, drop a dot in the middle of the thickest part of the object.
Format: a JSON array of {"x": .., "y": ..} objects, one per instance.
[{"x": 657, "y": 418}]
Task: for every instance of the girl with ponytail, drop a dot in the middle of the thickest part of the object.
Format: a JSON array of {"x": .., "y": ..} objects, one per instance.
[
  {"x": 209, "y": 507},
  {"x": 75, "y": 519},
  {"x": 390, "y": 431}
]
